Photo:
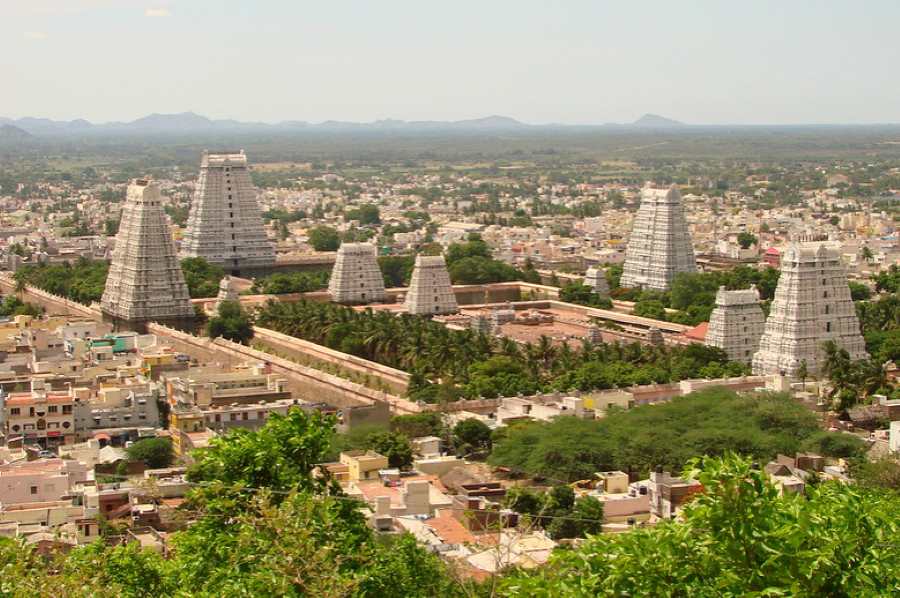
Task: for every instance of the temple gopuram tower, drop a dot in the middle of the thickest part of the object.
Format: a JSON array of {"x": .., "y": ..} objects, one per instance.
[
  {"x": 430, "y": 291},
  {"x": 356, "y": 277},
  {"x": 812, "y": 305},
  {"x": 145, "y": 281},
  {"x": 596, "y": 279},
  {"x": 660, "y": 245},
  {"x": 224, "y": 225},
  {"x": 736, "y": 324}
]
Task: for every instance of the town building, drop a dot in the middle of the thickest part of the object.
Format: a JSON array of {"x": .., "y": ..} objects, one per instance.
[
  {"x": 430, "y": 291},
  {"x": 660, "y": 245},
  {"x": 145, "y": 280},
  {"x": 736, "y": 324},
  {"x": 356, "y": 277},
  {"x": 224, "y": 225},
  {"x": 40, "y": 416},
  {"x": 812, "y": 305}
]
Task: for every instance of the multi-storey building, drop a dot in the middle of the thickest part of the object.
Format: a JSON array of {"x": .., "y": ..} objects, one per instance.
[{"x": 40, "y": 416}]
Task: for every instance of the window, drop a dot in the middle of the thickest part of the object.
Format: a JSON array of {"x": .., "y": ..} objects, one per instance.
[
  {"x": 31, "y": 411},
  {"x": 67, "y": 409},
  {"x": 827, "y": 326},
  {"x": 14, "y": 411},
  {"x": 52, "y": 409},
  {"x": 34, "y": 489},
  {"x": 244, "y": 415},
  {"x": 827, "y": 309}
]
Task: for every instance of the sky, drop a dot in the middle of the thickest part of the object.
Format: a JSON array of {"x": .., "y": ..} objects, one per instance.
[{"x": 563, "y": 61}]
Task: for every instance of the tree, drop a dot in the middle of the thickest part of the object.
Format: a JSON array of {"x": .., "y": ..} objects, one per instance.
[
  {"x": 747, "y": 240},
  {"x": 739, "y": 537},
  {"x": 803, "y": 372},
  {"x": 231, "y": 322},
  {"x": 156, "y": 453},
  {"x": 202, "y": 277},
  {"x": 394, "y": 446},
  {"x": 324, "y": 238},
  {"x": 859, "y": 291},
  {"x": 473, "y": 432}
]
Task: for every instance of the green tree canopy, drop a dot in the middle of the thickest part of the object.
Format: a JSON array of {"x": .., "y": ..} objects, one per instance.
[
  {"x": 324, "y": 238},
  {"x": 154, "y": 452}
]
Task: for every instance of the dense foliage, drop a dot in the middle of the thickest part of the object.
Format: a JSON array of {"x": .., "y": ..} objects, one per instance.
[
  {"x": 82, "y": 281},
  {"x": 557, "y": 512},
  {"x": 324, "y": 238},
  {"x": 471, "y": 263},
  {"x": 265, "y": 526},
  {"x": 85, "y": 280},
  {"x": 202, "y": 278},
  {"x": 740, "y": 537},
  {"x": 283, "y": 283},
  {"x": 709, "y": 422},
  {"x": 231, "y": 322},
  {"x": 581, "y": 294},
  {"x": 154, "y": 452},
  {"x": 13, "y": 306},
  {"x": 693, "y": 295},
  {"x": 475, "y": 364}
]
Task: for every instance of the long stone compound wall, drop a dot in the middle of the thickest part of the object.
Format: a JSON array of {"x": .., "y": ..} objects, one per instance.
[
  {"x": 309, "y": 383},
  {"x": 736, "y": 324},
  {"x": 430, "y": 291},
  {"x": 660, "y": 244},
  {"x": 52, "y": 304},
  {"x": 225, "y": 225},
  {"x": 356, "y": 277},
  {"x": 812, "y": 305},
  {"x": 391, "y": 378},
  {"x": 145, "y": 280}
]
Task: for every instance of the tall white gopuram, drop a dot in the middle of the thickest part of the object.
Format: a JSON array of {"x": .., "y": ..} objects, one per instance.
[
  {"x": 596, "y": 279},
  {"x": 736, "y": 323},
  {"x": 356, "y": 277},
  {"x": 430, "y": 291},
  {"x": 660, "y": 245},
  {"x": 224, "y": 225},
  {"x": 812, "y": 305},
  {"x": 145, "y": 280}
]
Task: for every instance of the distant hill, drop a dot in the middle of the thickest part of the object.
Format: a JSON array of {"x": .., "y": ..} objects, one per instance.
[
  {"x": 190, "y": 122},
  {"x": 12, "y": 132},
  {"x": 655, "y": 120}
]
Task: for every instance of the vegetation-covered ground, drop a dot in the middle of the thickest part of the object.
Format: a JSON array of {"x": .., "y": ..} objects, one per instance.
[
  {"x": 449, "y": 364},
  {"x": 709, "y": 422}
]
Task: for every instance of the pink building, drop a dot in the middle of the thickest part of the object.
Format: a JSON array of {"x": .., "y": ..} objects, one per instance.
[{"x": 39, "y": 481}]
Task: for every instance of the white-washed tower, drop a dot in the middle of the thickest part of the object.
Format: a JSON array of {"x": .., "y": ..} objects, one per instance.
[
  {"x": 145, "y": 280},
  {"x": 430, "y": 291},
  {"x": 356, "y": 277},
  {"x": 812, "y": 305},
  {"x": 224, "y": 225},
  {"x": 660, "y": 244},
  {"x": 736, "y": 323},
  {"x": 596, "y": 279}
]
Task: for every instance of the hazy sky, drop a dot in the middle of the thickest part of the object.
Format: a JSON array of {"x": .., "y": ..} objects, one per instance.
[{"x": 567, "y": 61}]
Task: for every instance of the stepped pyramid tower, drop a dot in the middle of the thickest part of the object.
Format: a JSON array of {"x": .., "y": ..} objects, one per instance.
[
  {"x": 660, "y": 245},
  {"x": 145, "y": 281},
  {"x": 736, "y": 324},
  {"x": 596, "y": 279},
  {"x": 812, "y": 305},
  {"x": 224, "y": 225},
  {"x": 430, "y": 291},
  {"x": 356, "y": 277}
]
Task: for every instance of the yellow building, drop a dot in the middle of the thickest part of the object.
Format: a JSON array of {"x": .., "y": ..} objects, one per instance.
[{"x": 363, "y": 465}]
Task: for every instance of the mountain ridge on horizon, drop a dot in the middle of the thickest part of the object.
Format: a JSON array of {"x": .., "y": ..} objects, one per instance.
[{"x": 193, "y": 122}]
